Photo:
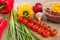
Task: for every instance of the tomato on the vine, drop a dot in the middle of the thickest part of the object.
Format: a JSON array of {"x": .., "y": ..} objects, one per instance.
[
  {"x": 53, "y": 32},
  {"x": 47, "y": 28},
  {"x": 40, "y": 30},
  {"x": 39, "y": 23},
  {"x": 30, "y": 25},
  {"x": 46, "y": 33},
  {"x": 35, "y": 28},
  {"x": 25, "y": 21},
  {"x": 44, "y": 25},
  {"x": 20, "y": 19},
  {"x": 35, "y": 21}
]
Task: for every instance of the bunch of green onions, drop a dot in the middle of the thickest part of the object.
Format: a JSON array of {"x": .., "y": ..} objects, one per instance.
[{"x": 18, "y": 31}]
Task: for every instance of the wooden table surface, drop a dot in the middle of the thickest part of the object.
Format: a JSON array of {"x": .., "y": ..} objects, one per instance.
[{"x": 53, "y": 25}]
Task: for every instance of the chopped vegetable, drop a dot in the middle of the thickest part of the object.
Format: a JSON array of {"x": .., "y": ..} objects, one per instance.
[{"x": 55, "y": 7}]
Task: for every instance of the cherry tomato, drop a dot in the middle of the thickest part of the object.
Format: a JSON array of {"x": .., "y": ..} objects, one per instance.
[
  {"x": 30, "y": 19},
  {"x": 39, "y": 23},
  {"x": 35, "y": 28},
  {"x": 53, "y": 32},
  {"x": 40, "y": 30},
  {"x": 47, "y": 28},
  {"x": 46, "y": 33},
  {"x": 20, "y": 19},
  {"x": 30, "y": 25},
  {"x": 25, "y": 21},
  {"x": 35, "y": 21},
  {"x": 44, "y": 25}
]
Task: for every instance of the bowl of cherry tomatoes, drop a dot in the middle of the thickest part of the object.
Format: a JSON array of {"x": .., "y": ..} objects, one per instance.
[{"x": 52, "y": 11}]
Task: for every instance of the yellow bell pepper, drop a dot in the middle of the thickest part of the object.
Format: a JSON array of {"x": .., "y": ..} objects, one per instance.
[{"x": 25, "y": 10}]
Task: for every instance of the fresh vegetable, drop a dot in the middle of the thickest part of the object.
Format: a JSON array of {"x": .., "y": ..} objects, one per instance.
[
  {"x": 39, "y": 23},
  {"x": 38, "y": 27},
  {"x": 25, "y": 10},
  {"x": 40, "y": 30},
  {"x": 0, "y": 21},
  {"x": 35, "y": 21},
  {"x": 44, "y": 25},
  {"x": 35, "y": 28},
  {"x": 39, "y": 16},
  {"x": 37, "y": 7},
  {"x": 12, "y": 27},
  {"x": 6, "y": 6},
  {"x": 3, "y": 24},
  {"x": 46, "y": 33},
  {"x": 19, "y": 31},
  {"x": 30, "y": 25},
  {"x": 25, "y": 21},
  {"x": 53, "y": 32},
  {"x": 20, "y": 19},
  {"x": 48, "y": 28}
]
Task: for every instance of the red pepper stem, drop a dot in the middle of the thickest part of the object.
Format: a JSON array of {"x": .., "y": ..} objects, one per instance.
[{"x": 2, "y": 6}]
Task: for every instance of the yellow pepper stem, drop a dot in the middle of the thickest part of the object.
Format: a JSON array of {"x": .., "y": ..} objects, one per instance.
[{"x": 25, "y": 13}]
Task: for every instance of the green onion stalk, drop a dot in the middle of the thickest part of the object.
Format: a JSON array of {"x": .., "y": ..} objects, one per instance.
[{"x": 19, "y": 31}]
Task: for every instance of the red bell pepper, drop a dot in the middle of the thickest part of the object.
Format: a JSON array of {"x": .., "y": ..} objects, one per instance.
[
  {"x": 6, "y": 6},
  {"x": 0, "y": 21},
  {"x": 3, "y": 24}
]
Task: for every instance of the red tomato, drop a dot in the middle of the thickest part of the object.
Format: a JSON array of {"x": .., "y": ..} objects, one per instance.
[
  {"x": 30, "y": 19},
  {"x": 39, "y": 23},
  {"x": 35, "y": 28},
  {"x": 48, "y": 28},
  {"x": 44, "y": 25},
  {"x": 40, "y": 30},
  {"x": 30, "y": 25},
  {"x": 20, "y": 19},
  {"x": 53, "y": 32},
  {"x": 46, "y": 33},
  {"x": 35, "y": 21},
  {"x": 25, "y": 21}
]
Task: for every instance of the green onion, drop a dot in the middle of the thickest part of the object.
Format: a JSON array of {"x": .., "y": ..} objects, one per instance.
[{"x": 19, "y": 31}]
